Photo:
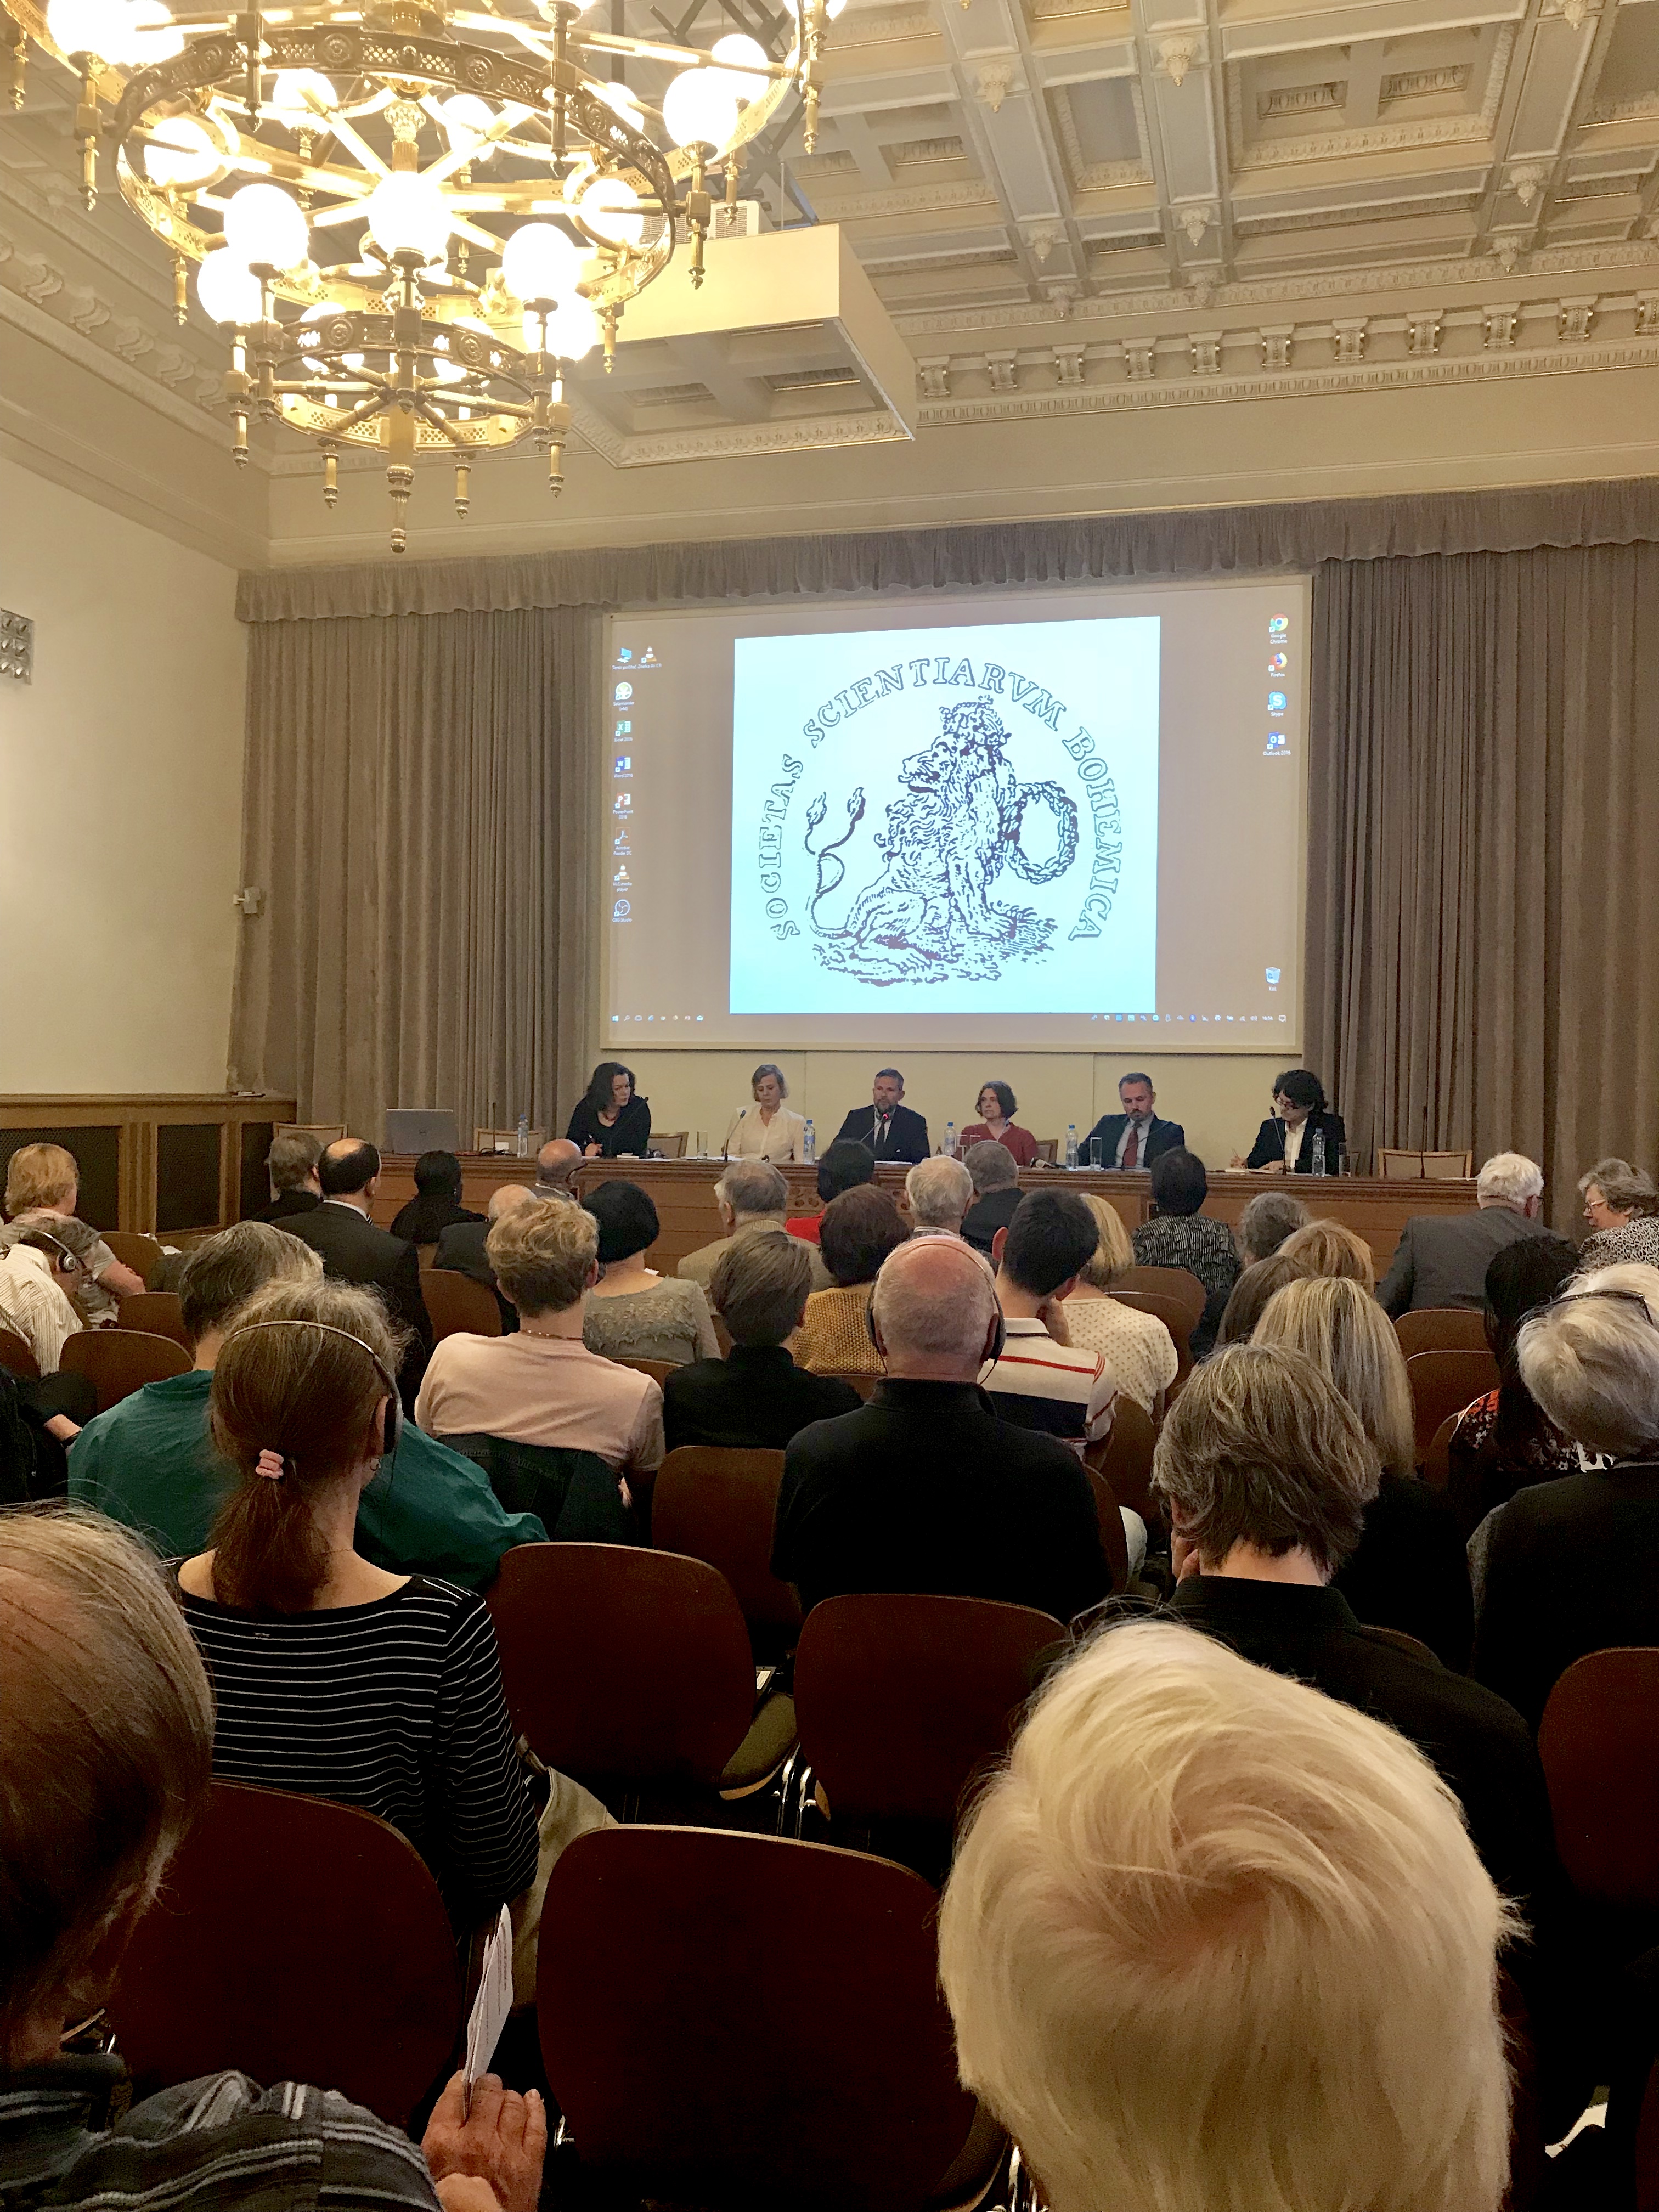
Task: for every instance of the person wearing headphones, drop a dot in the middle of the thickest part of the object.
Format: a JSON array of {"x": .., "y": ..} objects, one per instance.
[
  {"x": 335, "y": 1678},
  {"x": 924, "y": 1489},
  {"x": 39, "y": 1275}
]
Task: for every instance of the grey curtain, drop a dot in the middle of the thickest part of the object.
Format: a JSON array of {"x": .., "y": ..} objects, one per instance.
[
  {"x": 1483, "y": 968},
  {"x": 420, "y": 808}
]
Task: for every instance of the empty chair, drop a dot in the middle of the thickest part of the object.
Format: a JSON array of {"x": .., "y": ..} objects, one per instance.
[
  {"x": 156, "y": 1313},
  {"x": 719, "y": 1505},
  {"x": 1394, "y": 1165},
  {"x": 631, "y": 1669},
  {"x": 1441, "y": 1328},
  {"x": 1442, "y": 1384},
  {"x": 668, "y": 1145},
  {"x": 739, "y": 2022},
  {"x": 457, "y": 1306},
  {"x": 136, "y": 1249},
  {"x": 1177, "y": 1283},
  {"x": 119, "y": 1361},
  {"x": 1172, "y": 1312},
  {"x": 297, "y": 1941},
  {"x": 1599, "y": 1742},
  {"x": 1125, "y": 1458},
  {"x": 16, "y": 1357},
  {"x": 1447, "y": 1167}
]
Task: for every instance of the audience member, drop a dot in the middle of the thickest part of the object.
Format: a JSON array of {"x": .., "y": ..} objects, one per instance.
[
  {"x": 437, "y": 1200},
  {"x": 924, "y": 1489},
  {"x": 39, "y": 1277},
  {"x": 1265, "y": 1221},
  {"x": 43, "y": 1187},
  {"x": 555, "y": 1167},
  {"x": 1039, "y": 1382},
  {"x": 43, "y": 1413},
  {"x": 1178, "y": 1234},
  {"x": 611, "y": 1121},
  {"x": 995, "y": 1177},
  {"x": 1256, "y": 1970},
  {"x": 542, "y": 1385},
  {"x": 1333, "y": 1250},
  {"x": 757, "y": 1398},
  {"x": 752, "y": 1196},
  {"x": 333, "y": 1677},
  {"x": 106, "y": 1743},
  {"x": 462, "y": 1247},
  {"x": 1442, "y": 1260},
  {"x": 845, "y": 1166},
  {"x": 1504, "y": 1441},
  {"x": 1265, "y": 1471},
  {"x": 150, "y": 1461},
  {"x": 633, "y": 1312},
  {"x": 938, "y": 1192},
  {"x": 1261, "y": 1280},
  {"x": 1571, "y": 1564},
  {"x": 291, "y": 1171},
  {"x": 1622, "y": 1208},
  {"x": 355, "y": 1250},
  {"x": 1409, "y": 1570},
  {"x": 860, "y": 1229},
  {"x": 1138, "y": 1349}
]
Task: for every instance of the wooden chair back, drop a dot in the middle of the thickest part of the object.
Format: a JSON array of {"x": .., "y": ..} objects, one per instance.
[
  {"x": 157, "y": 1313},
  {"x": 1442, "y": 1384},
  {"x": 136, "y": 1250},
  {"x": 1047, "y": 1150},
  {"x": 299, "y": 1941},
  {"x": 1179, "y": 1283},
  {"x": 1436, "y": 1467},
  {"x": 864, "y": 1384},
  {"x": 901, "y": 1701},
  {"x": 325, "y": 1133},
  {"x": 738, "y": 2020},
  {"x": 119, "y": 1361},
  {"x": 457, "y": 1306},
  {"x": 669, "y": 1144},
  {"x": 1172, "y": 1312},
  {"x": 1447, "y": 1167},
  {"x": 16, "y": 1358},
  {"x": 719, "y": 1506},
  {"x": 1442, "y": 1329},
  {"x": 1125, "y": 1459},
  {"x": 623, "y": 1665},
  {"x": 1395, "y": 1165},
  {"x": 1599, "y": 1742},
  {"x": 1113, "y": 1541},
  {"x": 658, "y": 1369},
  {"x": 1403, "y": 1640}
]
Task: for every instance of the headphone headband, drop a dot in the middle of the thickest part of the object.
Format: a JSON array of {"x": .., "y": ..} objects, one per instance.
[{"x": 394, "y": 1418}]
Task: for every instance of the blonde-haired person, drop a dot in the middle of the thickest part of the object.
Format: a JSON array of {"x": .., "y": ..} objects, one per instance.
[
  {"x": 1137, "y": 1348},
  {"x": 768, "y": 1129},
  {"x": 335, "y": 1678},
  {"x": 1409, "y": 1569},
  {"x": 541, "y": 1385},
  {"x": 1331, "y": 1248},
  {"x": 43, "y": 1188},
  {"x": 1258, "y": 1970}
]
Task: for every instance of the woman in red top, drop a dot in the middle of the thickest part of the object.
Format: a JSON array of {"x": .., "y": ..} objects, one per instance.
[{"x": 996, "y": 1108}]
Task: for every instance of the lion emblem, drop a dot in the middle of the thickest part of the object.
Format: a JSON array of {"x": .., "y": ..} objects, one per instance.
[{"x": 929, "y": 916}]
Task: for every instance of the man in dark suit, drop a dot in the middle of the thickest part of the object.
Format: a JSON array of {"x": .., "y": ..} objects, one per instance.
[
  {"x": 755, "y": 1399},
  {"x": 924, "y": 1488},
  {"x": 355, "y": 1251},
  {"x": 1134, "y": 1137},
  {"x": 885, "y": 1127},
  {"x": 291, "y": 1165},
  {"x": 461, "y": 1246},
  {"x": 1442, "y": 1260}
]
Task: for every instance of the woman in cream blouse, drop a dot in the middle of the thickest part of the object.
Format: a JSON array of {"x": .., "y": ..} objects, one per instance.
[{"x": 767, "y": 1130}]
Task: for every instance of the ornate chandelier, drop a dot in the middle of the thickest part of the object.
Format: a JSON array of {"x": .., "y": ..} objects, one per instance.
[{"x": 411, "y": 218}]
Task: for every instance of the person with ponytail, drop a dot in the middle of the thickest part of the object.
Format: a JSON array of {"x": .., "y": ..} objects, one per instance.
[{"x": 335, "y": 1678}]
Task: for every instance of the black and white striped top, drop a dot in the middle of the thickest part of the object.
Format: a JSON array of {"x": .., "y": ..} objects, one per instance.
[{"x": 396, "y": 1707}]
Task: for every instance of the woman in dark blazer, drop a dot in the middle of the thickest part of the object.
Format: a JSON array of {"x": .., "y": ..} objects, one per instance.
[
  {"x": 609, "y": 1120},
  {"x": 1285, "y": 1142}
]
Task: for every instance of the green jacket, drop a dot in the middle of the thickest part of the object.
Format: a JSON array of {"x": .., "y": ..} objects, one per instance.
[{"x": 150, "y": 1463}]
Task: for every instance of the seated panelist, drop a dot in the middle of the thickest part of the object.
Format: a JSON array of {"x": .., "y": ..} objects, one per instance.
[
  {"x": 1284, "y": 1143},
  {"x": 1134, "y": 1137},
  {"x": 996, "y": 1109},
  {"x": 768, "y": 1130},
  {"x": 610, "y": 1122},
  {"x": 886, "y": 1127}
]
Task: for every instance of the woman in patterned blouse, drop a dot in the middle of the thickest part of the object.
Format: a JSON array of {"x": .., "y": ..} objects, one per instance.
[{"x": 1178, "y": 1234}]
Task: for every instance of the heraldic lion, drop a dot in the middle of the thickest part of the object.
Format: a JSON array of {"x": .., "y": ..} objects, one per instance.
[{"x": 929, "y": 916}]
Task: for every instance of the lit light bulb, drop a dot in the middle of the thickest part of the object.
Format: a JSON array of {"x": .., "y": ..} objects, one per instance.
[
  {"x": 468, "y": 120},
  {"x": 699, "y": 108},
  {"x": 181, "y": 151},
  {"x": 262, "y": 223},
  {"x": 743, "y": 64},
  {"x": 573, "y": 330},
  {"x": 409, "y": 214},
  {"x": 541, "y": 262},
  {"x": 88, "y": 26},
  {"x": 152, "y": 35},
  {"x": 618, "y": 97},
  {"x": 610, "y": 209},
  {"x": 288, "y": 98},
  {"x": 227, "y": 288},
  {"x": 833, "y": 8}
]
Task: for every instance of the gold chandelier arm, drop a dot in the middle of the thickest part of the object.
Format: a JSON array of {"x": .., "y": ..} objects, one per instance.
[{"x": 349, "y": 135}]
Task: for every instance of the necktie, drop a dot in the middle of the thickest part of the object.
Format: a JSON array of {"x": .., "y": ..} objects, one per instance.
[
  {"x": 883, "y": 1121},
  {"x": 1132, "y": 1150}
]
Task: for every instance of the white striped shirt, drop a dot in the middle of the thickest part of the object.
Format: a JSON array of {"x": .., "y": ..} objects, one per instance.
[{"x": 1062, "y": 1389}]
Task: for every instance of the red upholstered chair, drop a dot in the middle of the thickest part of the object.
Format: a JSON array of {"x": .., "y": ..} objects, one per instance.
[
  {"x": 719, "y": 1506},
  {"x": 119, "y": 1361},
  {"x": 1442, "y": 1384},
  {"x": 298, "y": 1940}
]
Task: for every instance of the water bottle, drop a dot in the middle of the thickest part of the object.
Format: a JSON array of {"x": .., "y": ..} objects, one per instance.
[
  {"x": 523, "y": 1136},
  {"x": 1071, "y": 1144},
  {"x": 1318, "y": 1154},
  {"x": 950, "y": 1144},
  {"x": 809, "y": 1143}
]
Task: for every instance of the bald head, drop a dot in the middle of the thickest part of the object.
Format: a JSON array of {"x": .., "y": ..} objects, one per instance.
[
  {"x": 555, "y": 1162},
  {"x": 350, "y": 1168},
  {"x": 508, "y": 1198},
  {"x": 934, "y": 1311}
]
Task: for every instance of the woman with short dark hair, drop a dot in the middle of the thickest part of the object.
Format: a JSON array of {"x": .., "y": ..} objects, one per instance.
[
  {"x": 996, "y": 1108},
  {"x": 611, "y": 1122},
  {"x": 436, "y": 1205},
  {"x": 632, "y": 1312},
  {"x": 859, "y": 1230},
  {"x": 1181, "y": 1235},
  {"x": 1284, "y": 1143}
]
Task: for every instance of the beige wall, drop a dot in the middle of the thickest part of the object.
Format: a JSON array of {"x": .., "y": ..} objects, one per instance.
[
  {"x": 121, "y": 802},
  {"x": 1219, "y": 1099}
]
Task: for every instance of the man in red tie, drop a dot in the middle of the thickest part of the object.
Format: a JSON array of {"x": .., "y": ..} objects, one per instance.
[{"x": 1134, "y": 1137}]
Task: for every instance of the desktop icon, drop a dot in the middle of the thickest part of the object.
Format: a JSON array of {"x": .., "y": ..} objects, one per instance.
[
  {"x": 624, "y": 728},
  {"x": 623, "y": 693},
  {"x": 649, "y": 659},
  {"x": 1273, "y": 975},
  {"x": 621, "y": 910},
  {"x": 623, "y": 803},
  {"x": 624, "y": 654},
  {"x": 1277, "y": 742},
  {"x": 620, "y": 880},
  {"x": 623, "y": 765},
  {"x": 1276, "y": 703},
  {"x": 1279, "y": 626},
  {"x": 1278, "y": 663}
]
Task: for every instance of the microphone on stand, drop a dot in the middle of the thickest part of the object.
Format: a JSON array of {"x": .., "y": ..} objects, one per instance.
[{"x": 725, "y": 1149}]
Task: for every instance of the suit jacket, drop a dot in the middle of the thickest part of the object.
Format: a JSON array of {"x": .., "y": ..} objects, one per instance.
[
  {"x": 1269, "y": 1143},
  {"x": 285, "y": 1205},
  {"x": 754, "y": 1400},
  {"x": 907, "y": 1136},
  {"x": 699, "y": 1266},
  {"x": 987, "y": 1215},
  {"x": 1442, "y": 1261},
  {"x": 355, "y": 1251},
  {"x": 461, "y": 1248},
  {"x": 1162, "y": 1137}
]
